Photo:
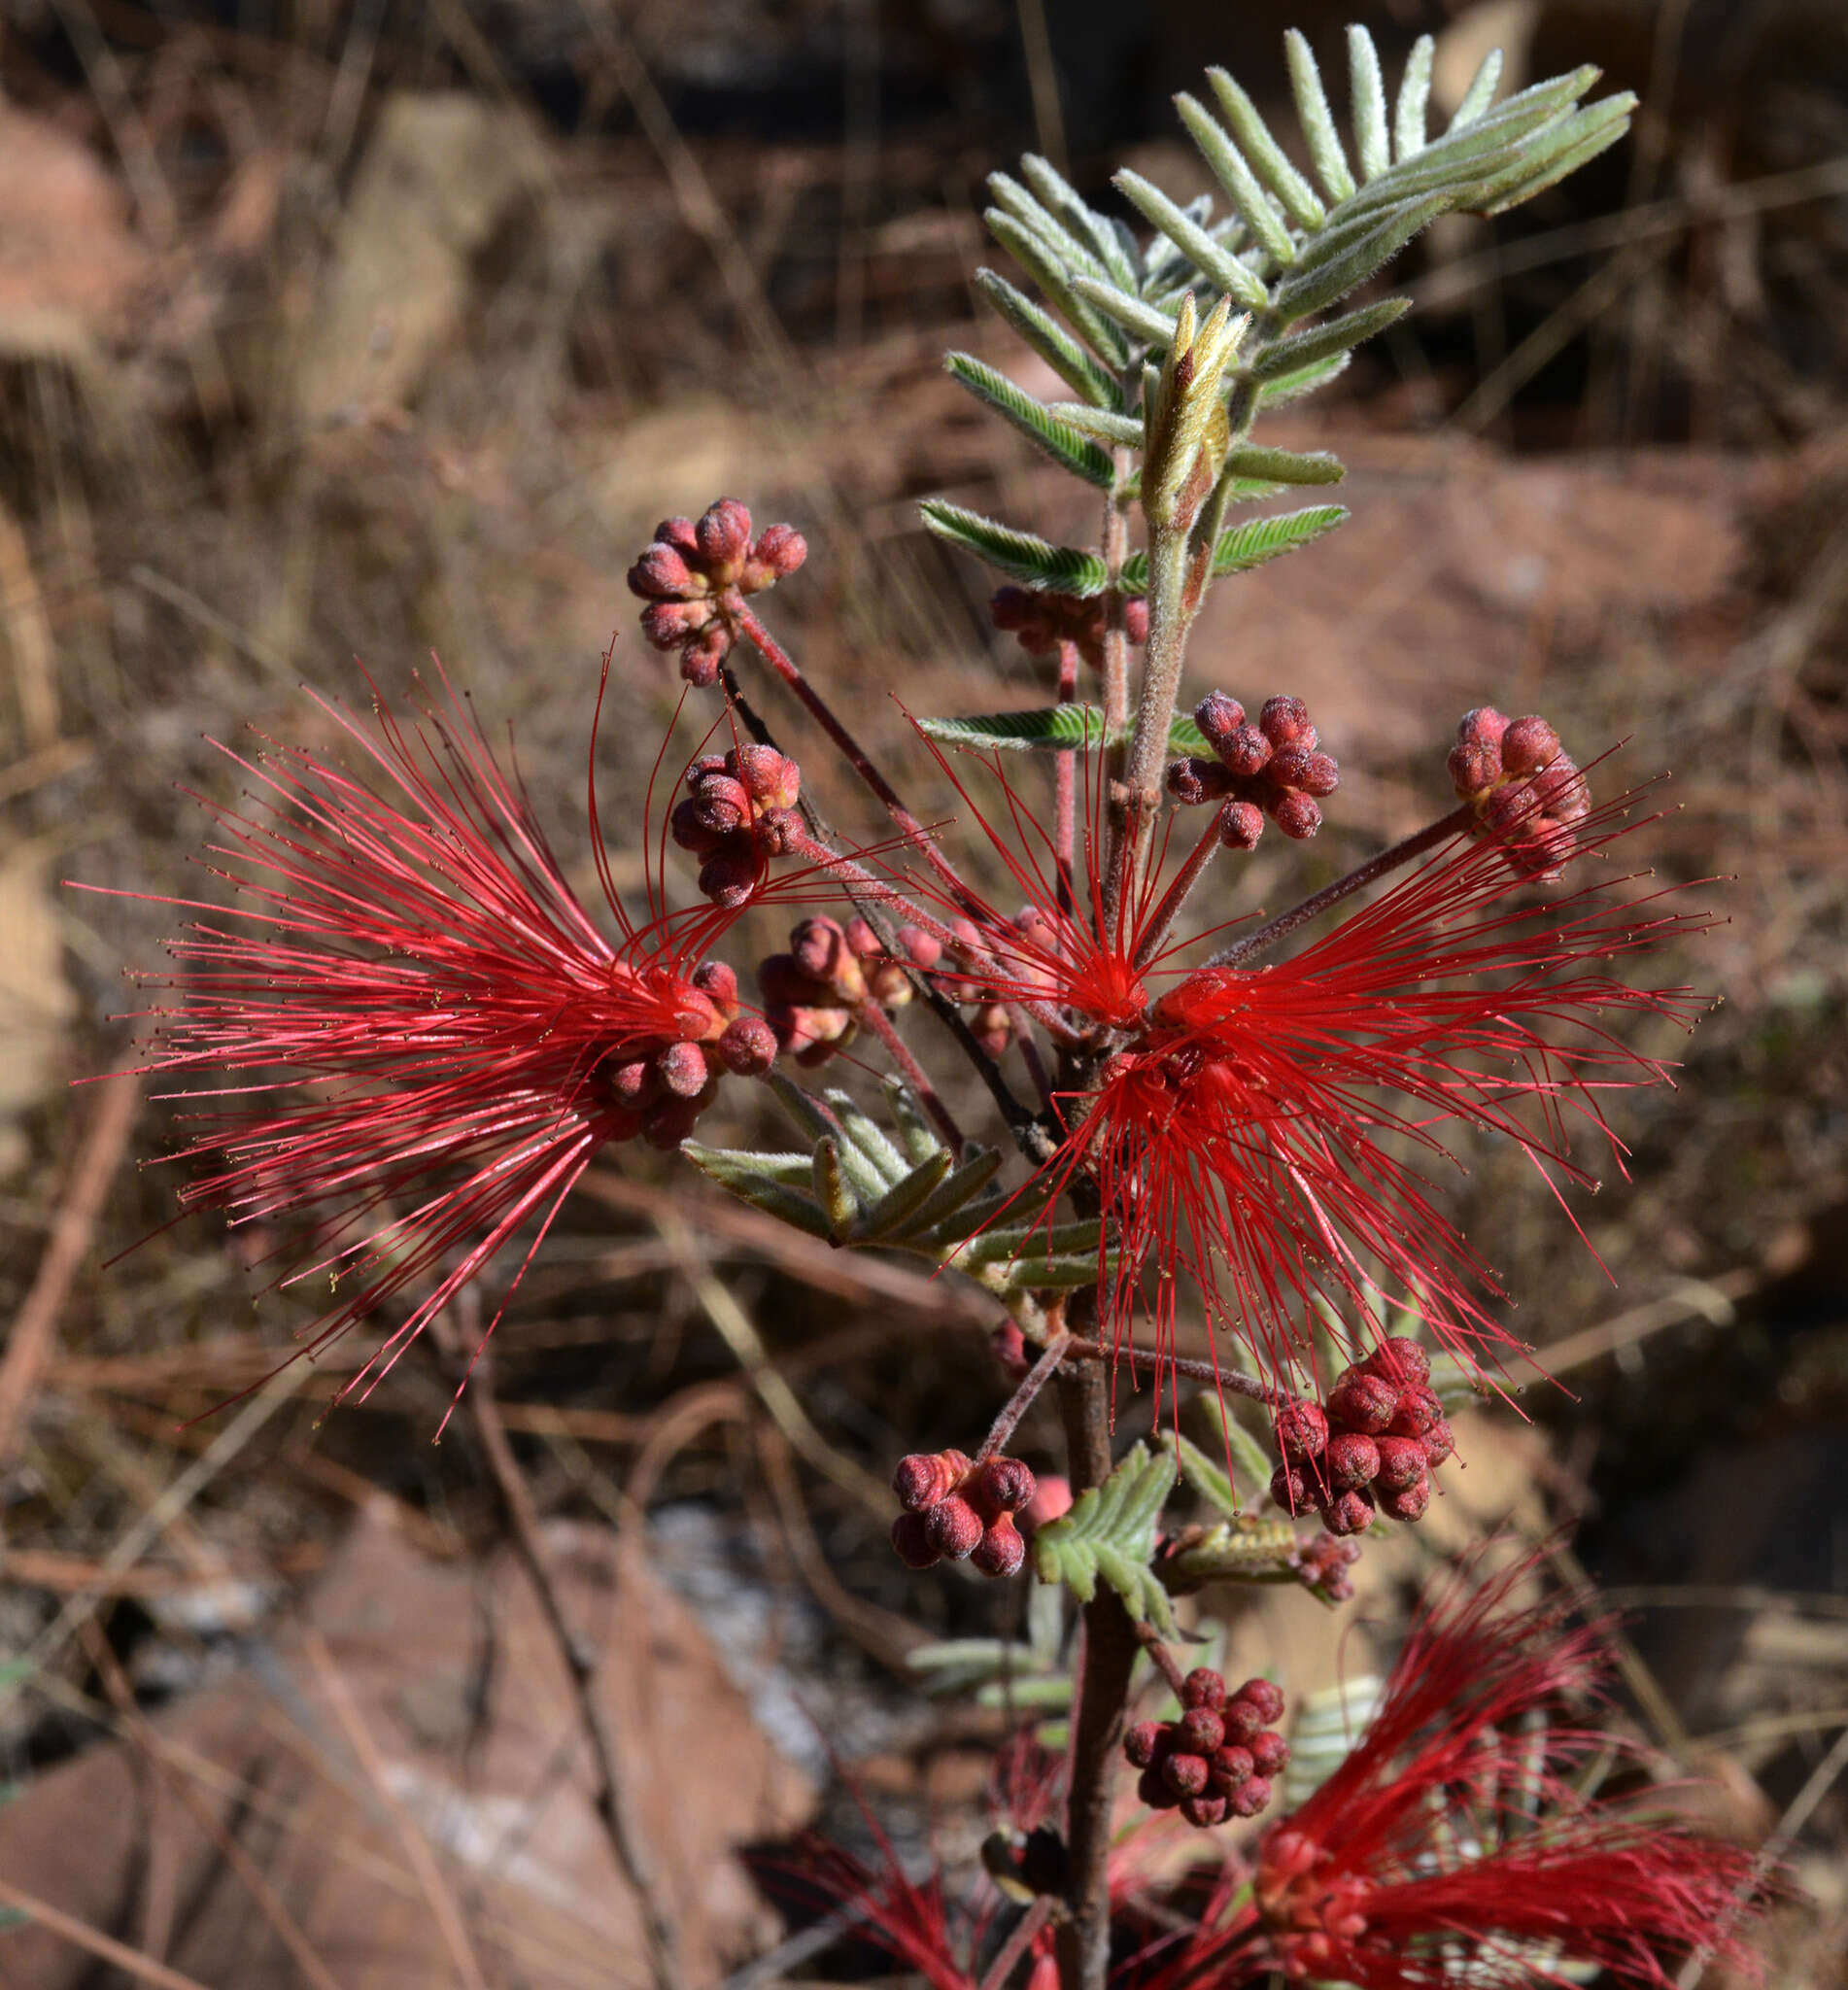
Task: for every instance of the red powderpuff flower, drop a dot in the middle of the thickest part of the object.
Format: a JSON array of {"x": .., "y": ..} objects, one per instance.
[
  {"x": 407, "y": 1027},
  {"x": 1264, "y": 1128},
  {"x": 1454, "y": 1843}
]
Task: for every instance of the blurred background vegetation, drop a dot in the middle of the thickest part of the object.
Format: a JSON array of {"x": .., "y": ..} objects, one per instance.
[{"x": 332, "y": 330}]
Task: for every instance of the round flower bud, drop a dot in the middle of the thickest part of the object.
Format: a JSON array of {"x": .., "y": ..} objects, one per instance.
[
  {"x": 683, "y": 1070},
  {"x": 1402, "y": 1463},
  {"x": 1241, "y": 824},
  {"x": 1528, "y": 744},
  {"x": 922, "y": 950},
  {"x": 1244, "y": 751},
  {"x": 1001, "y": 1552},
  {"x": 911, "y": 1538},
  {"x": 1003, "y": 1485},
  {"x": 1146, "y": 1742},
  {"x": 1360, "y": 1401},
  {"x": 1285, "y": 720},
  {"x": 1229, "y": 1769},
  {"x": 661, "y": 574},
  {"x": 1351, "y": 1460},
  {"x": 1200, "y": 1731},
  {"x": 954, "y": 1527},
  {"x": 1418, "y": 1409},
  {"x": 1439, "y": 1443},
  {"x": 729, "y": 877},
  {"x": 1409, "y": 1505},
  {"x": 1302, "y": 1430},
  {"x": 747, "y": 1048},
  {"x": 922, "y": 1478},
  {"x": 1136, "y": 618},
  {"x": 1204, "y": 1811},
  {"x": 1270, "y": 1753},
  {"x": 771, "y": 780},
  {"x": 717, "y": 982},
  {"x": 1184, "y": 1774},
  {"x": 1351, "y": 1513},
  {"x": 1321, "y": 775},
  {"x": 1399, "y": 1359},
  {"x": 1266, "y": 1696},
  {"x": 779, "y": 550},
  {"x": 1242, "y": 1719},
  {"x": 1218, "y": 716},
  {"x": 1289, "y": 1489},
  {"x": 1252, "y": 1799},
  {"x": 724, "y": 535},
  {"x": 1203, "y": 1687},
  {"x": 1295, "y": 814}
]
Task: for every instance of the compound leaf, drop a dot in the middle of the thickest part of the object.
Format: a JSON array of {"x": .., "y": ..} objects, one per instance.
[
  {"x": 1109, "y": 1533},
  {"x": 1020, "y": 556}
]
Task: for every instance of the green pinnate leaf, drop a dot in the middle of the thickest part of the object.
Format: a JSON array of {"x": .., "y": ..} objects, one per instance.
[
  {"x": 1323, "y": 341},
  {"x": 1020, "y": 556},
  {"x": 1269, "y": 161},
  {"x": 1326, "y": 151},
  {"x": 1051, "y": 341},
  {"x": 1040, "y": 260},
  {"x": 1059, "y": 441},
  {"x": 1414, "y": 99},
  {"x": 1367, "y": 100},
  {"x": 1217, "y": 263},
  {"x": 1250, "y": 1548},
  {"x": 1110, "y": 1535},
  {"x": 1481, "y": 92},
  {"x": 1241, "y": 547}
]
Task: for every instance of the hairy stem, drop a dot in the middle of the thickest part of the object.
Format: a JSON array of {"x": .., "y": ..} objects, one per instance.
[
  {"x": 1170, "y": 617},
  {"x": 1150, "y": 1641},
  {"x": 1016, "y": 1406},
  {"x": 1102, "y": 1690},
  {"x": 1331, "y": 895},
  {"x": 1182, "y": 1366}
]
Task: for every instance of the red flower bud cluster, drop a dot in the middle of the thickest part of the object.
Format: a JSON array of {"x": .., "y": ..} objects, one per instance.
[
  {"x": 739, "y": 812},
  {"x": 1042, "y": 619},
  {"x": 693, "y": 578},
  {"x": 659, "y": 1097},
  {"x": 1527, "y": 793},
  {"x": 1216, "y": 1760},
  {"x": 813, "y": 995},
  {"x": 1323, "y": 1565},
  {"x": 956, "y": 1511},
  {"x": 1370, "y": 1448},
  {"x": 1274, "y": 768}
]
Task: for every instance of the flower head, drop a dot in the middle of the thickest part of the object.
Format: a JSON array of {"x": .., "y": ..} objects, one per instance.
[
  {"x": 1452, "y": 1845},
  {"x": 408, "y": 1030},
  {"x": 1265, "y": 1126}
]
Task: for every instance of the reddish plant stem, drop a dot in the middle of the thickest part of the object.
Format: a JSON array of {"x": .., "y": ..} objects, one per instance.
[
  {"x": 779, "y": 661},
  {"x": 1102, "y": 1696},
  {"x": 1016, "y": 1406},
  {"x": 874, "y": 1015},
  {"x": 1179, "y": 892},
  {"x": 1331, "y": 895},
  {"x": 1065, "y": 784},
  {"x": 1150, "y": 1641}
]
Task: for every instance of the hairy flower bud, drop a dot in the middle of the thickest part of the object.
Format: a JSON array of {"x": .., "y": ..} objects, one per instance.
[
  {"x": 1360, "y": 1401},
  {"x": 1203, "y": 1687},
  {"x": 922, "y": 1478},
  {"x": 1418, "y": 1409},
  {"x": 1254, "y": 1797},
  {"x": 1284, "y": 721},
  {"x": 1302, "y": 1430},
  {"x": 1218, "y": 716},
  {"x": 747, "y": 1046},
  {"x": 1351, "y": 1460},
  {"x": 1351, "y": 1513},
  {"x": 1439, "y": 1442},
  {"x": 1145, "y": 1741},
  {"x": 1528, "y": 744},
  {"x": 1398, "y": 1358},
  {"x": 1241, "y": 825},
  {"x": 1003, "y": 1485},
  {"x": 1265, "y": 1696},
  {"x": 1296, "y": 815},
  {"x": 1270, "y": 1753},
  {"x": 1199, "y": 1731},
  {"x": 1152, "y": 1790},
  {"x": 1402, "y": 1463},
  {"x": 1204, "y": 1811},
  {"x": 771, "y": 779},
  {"x": 953, "y": 1527},
  {"x": 1184, "y": 1774},
  {"x": 1409, "y": 1505},
  {"x": 1230, "y": 1769},
  {"x": 684, "y": 1070},
  {"x": 1001, "y": 1552}
]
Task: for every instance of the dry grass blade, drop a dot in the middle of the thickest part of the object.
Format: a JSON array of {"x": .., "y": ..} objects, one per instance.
[
  {"x": 105, "y": 1947},
  {"x": 444, "y": 1911},
  {"x": 1711, "y": 1300},
  {"x": 30, "y": 1343}
]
